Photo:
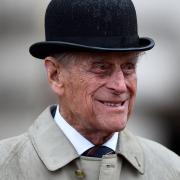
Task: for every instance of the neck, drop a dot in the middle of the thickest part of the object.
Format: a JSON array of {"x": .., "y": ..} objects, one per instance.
[{"x": 96, "y": 137}]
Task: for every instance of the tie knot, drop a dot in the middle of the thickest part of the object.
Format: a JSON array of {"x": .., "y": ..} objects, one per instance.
[{"x": 98, "y": 151}]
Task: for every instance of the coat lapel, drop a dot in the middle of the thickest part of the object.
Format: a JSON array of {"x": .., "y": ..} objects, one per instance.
[
  {"x": 131, "y": 150},
  {"x": 53, "y": 148}
]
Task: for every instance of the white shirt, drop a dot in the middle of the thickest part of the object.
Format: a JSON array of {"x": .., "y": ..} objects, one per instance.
[{"x": 80, "y": 143}]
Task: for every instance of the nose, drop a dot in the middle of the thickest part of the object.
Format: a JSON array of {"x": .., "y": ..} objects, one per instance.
[{"x": 117, "y": 83}]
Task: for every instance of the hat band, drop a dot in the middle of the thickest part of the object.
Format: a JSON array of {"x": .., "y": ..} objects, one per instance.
[{"x": 106, "y": 42}]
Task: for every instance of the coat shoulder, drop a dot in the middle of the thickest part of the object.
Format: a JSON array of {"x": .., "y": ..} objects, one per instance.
[
  {"x": 158, "y": 149},
  {"x": 10, "y": 147},
  {"x": 157, "y": 155}
]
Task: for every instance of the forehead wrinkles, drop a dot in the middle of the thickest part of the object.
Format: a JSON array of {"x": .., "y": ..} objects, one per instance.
[
  {"x": 119, "y": 57},
  {"x": 90, "y": 57},
  {"x": 82, "y": 61}
]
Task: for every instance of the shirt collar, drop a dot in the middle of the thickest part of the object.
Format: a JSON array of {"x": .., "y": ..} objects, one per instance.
[{"x": 80, "y": 143}]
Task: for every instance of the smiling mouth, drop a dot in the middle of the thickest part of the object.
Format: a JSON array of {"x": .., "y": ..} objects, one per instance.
[{"x": 113, "y": 104}]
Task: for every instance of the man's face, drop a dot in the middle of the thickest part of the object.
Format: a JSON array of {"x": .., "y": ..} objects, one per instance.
[{"x": 99, "y": 91}]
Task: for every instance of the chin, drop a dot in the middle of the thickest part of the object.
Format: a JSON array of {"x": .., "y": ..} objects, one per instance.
[
  {"x": 113, "y": 123},
  {"x": 120, "y": 126},
  {"x": 117, "y": 128}
]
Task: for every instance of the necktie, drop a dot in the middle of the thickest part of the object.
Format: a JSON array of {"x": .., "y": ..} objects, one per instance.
[{"x": 98, "y": 151}]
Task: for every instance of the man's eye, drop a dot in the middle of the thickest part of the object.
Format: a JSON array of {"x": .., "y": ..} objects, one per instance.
[
  {"x": 128, "y": 68},
  {"x": 101, "y": 66}
]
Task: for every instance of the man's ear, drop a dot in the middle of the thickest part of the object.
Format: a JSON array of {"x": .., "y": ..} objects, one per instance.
[{"x": 55, "y": 79}]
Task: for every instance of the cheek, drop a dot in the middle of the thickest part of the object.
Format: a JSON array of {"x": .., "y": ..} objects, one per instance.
[
  {"x": 88, "y": 98},
  {"x": 132, "y": 90},
  {"x": 132, "y": 84},
  {"x": 81, "y": 89},
  {"x": 80, "y": 93},
  {"x": 90, "y": 90}
]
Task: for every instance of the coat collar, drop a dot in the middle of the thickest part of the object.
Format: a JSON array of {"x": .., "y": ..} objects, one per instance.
[
  {"x": 56, "y": 151},
  {"x": 130, "y": 148},
  {"x": 53, "y": 148}
]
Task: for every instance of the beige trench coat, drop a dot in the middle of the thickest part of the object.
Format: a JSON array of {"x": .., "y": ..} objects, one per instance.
[{"x": 44, "y": 153}]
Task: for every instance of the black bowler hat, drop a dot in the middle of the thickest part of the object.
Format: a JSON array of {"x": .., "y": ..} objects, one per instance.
[{"x": 90, "y": 25}]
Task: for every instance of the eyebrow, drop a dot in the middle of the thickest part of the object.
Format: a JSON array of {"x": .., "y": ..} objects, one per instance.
[
  {"x": 124, "y": 58},
  {"x": 135, "y": 58}
]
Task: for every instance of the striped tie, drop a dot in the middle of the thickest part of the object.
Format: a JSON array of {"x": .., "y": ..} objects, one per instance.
[{"x": 98, "y": 151}]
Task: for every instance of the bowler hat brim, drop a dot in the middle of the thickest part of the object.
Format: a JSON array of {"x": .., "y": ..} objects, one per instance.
[{"x": 47, "y": 48}]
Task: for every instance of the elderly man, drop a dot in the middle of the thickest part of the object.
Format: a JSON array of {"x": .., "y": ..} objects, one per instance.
[{"x": 90, "y": 55}]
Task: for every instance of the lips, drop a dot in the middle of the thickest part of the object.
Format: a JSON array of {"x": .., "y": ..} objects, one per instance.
[{"x": 113, "y": 103}]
